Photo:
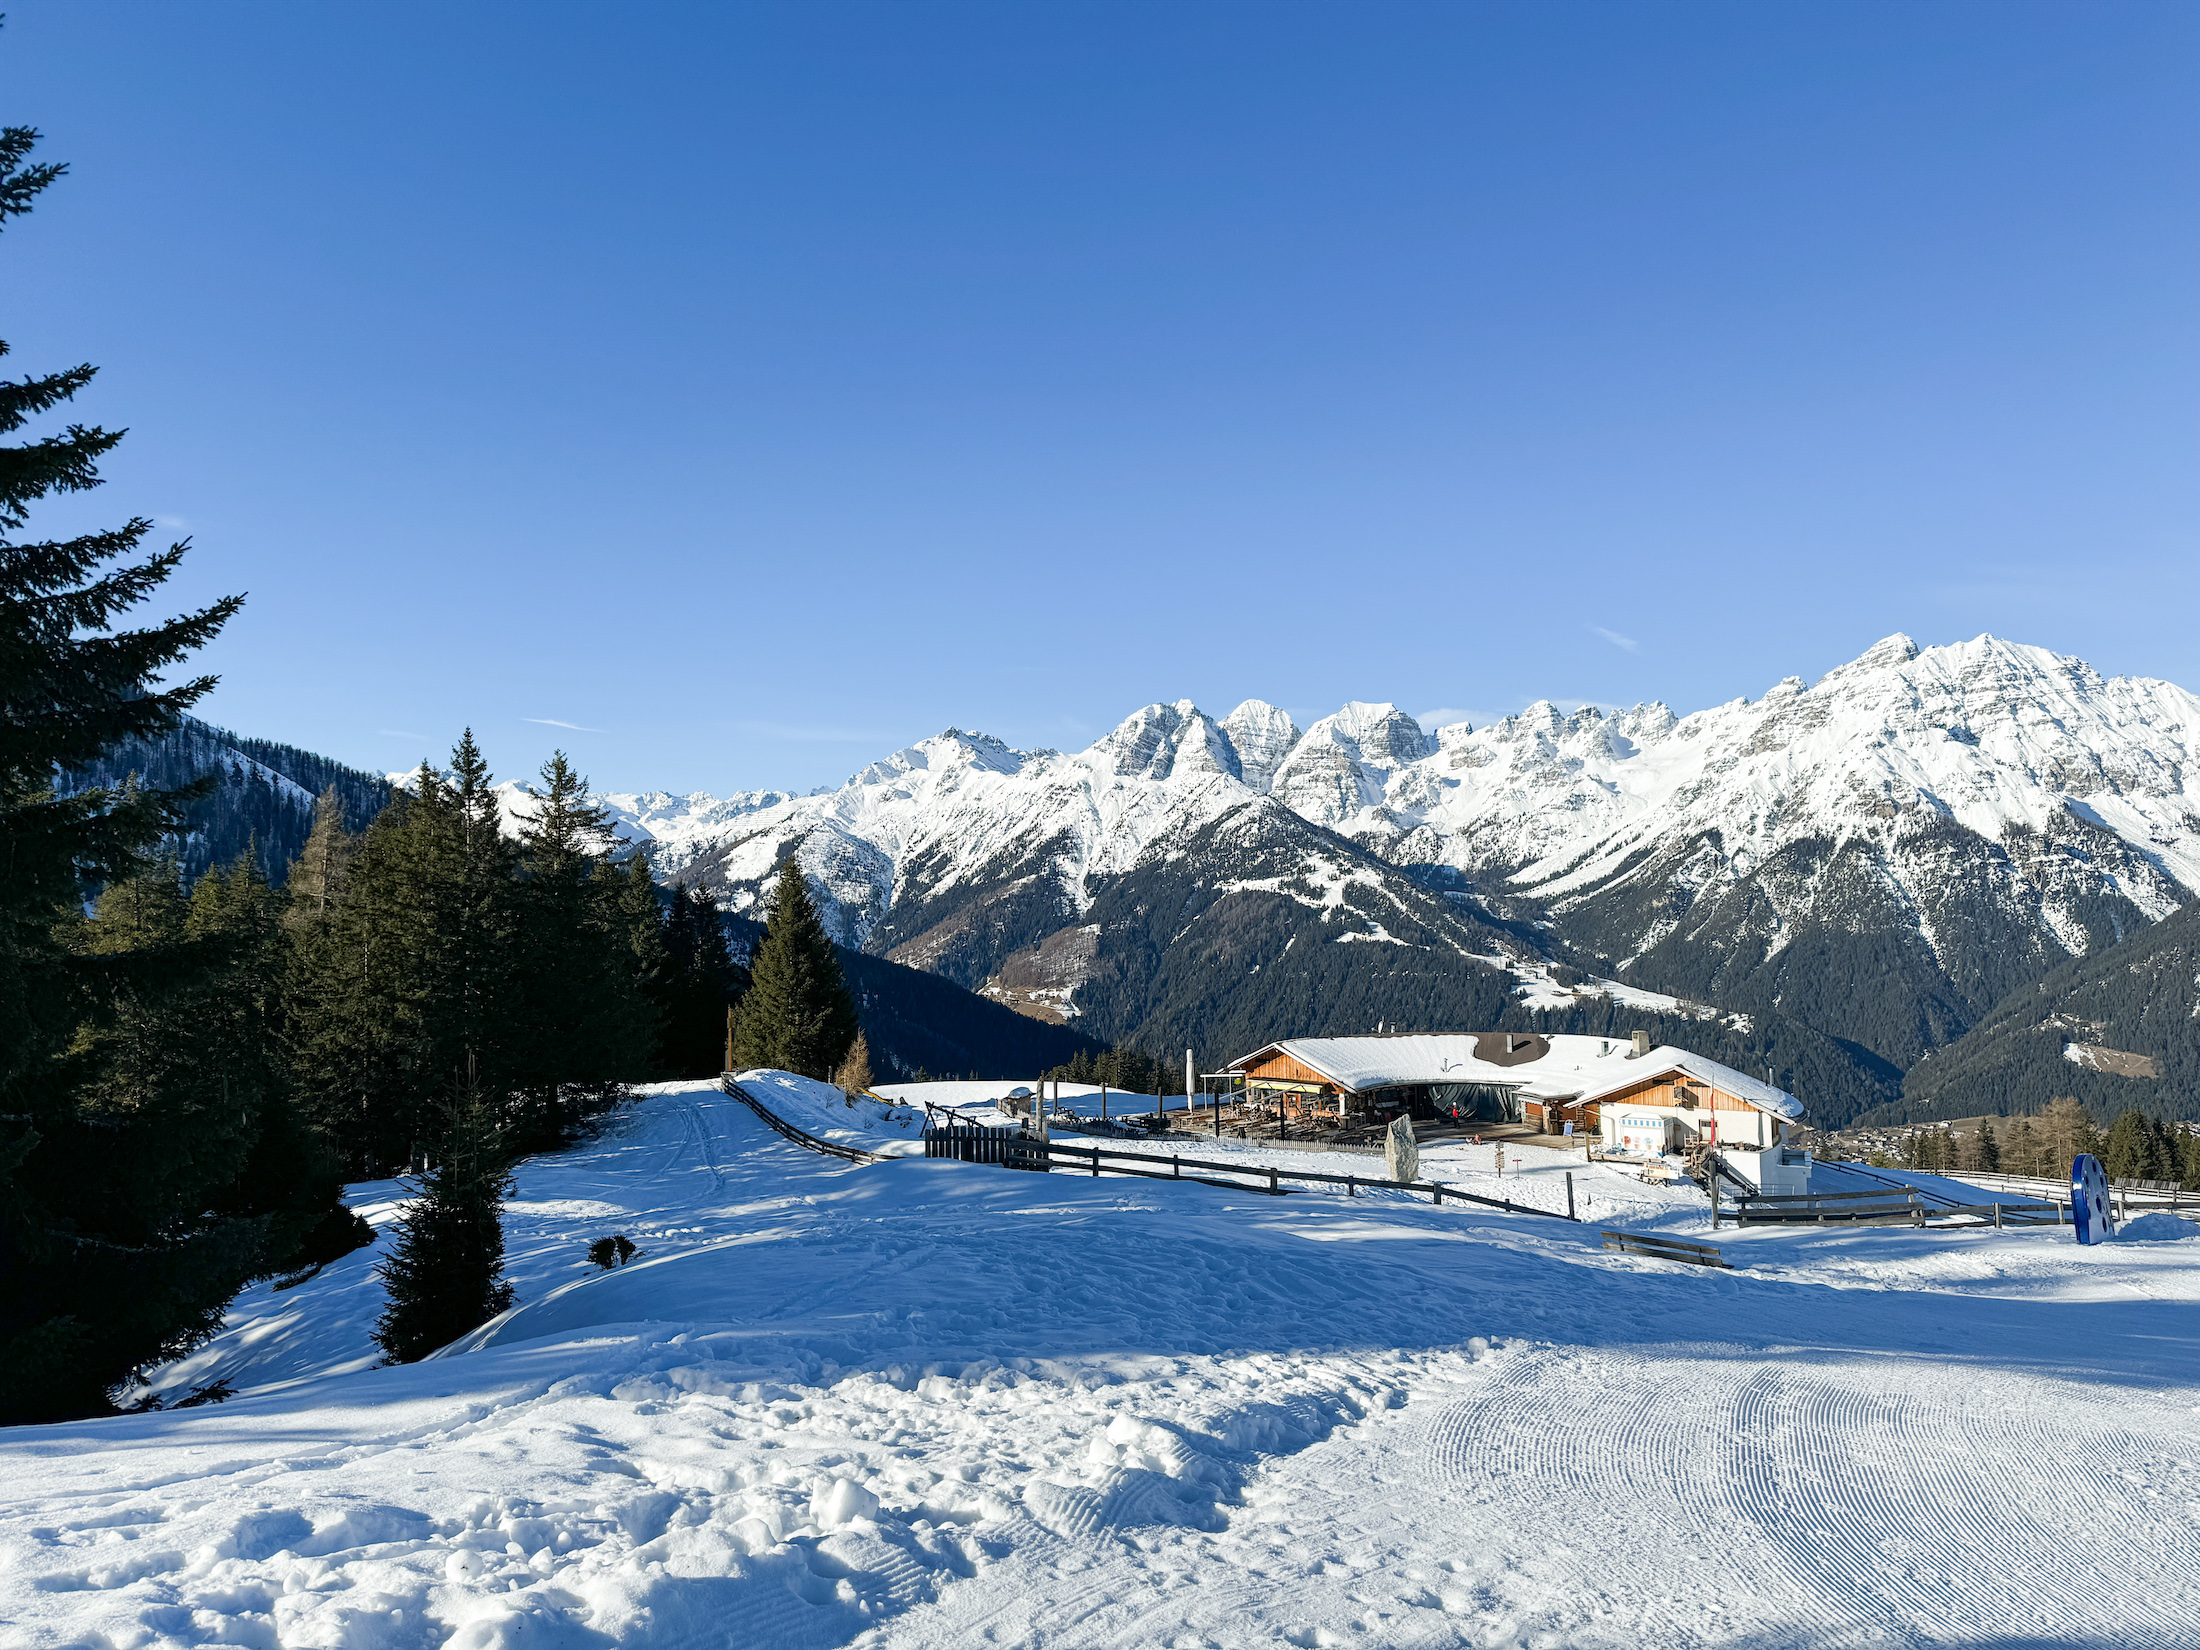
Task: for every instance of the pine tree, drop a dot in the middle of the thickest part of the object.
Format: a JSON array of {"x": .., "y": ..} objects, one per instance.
[
  {"x": 445, "y": 1274},
  {"x": 2128, "y": 1153},
  {"x": 289, "y": 1173},
  {"x": 714, "y": 983},
  {"x": 797, "y": 1015},
  {"x": 702, "y": 980},
  {"x": 679, "y": 943},
  {"x": 72, "y": 687},
  {"x": 1989, "y": 1147},
  {"x": 387, "y": 1002},
  {"x": 854, "y": 1075},
  {"x": 638, "y": 918},
  {"x": 587, "y": 1025}
]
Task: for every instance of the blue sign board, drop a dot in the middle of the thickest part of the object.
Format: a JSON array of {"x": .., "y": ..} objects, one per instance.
[{"x": 2089, "y": 1206}]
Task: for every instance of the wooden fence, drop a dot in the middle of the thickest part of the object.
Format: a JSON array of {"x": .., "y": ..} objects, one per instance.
[
  {"x": 1662, "y": 1248},
  {"x": 954, "y": 1137},
  {"x": 1888, "y": 1208},
  {"x": 962, "y": 1141},
  {"x": 809, "y": 1142}
]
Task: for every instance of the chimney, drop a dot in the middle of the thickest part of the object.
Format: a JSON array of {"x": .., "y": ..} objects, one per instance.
[{"x": 1642, "y": 1045}]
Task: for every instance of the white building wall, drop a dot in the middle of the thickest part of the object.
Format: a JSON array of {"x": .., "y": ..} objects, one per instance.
[
  {"x": 1777, "y": 1171},
  {"x": 1673, "y": 1128}
]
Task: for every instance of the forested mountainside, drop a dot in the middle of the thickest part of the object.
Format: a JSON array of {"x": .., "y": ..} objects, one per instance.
[
  {"x": 924, "y": 1023},
  {"x": 264, "y": 792},
  {"x": 2119, "y": 1028},
  {"x": 919, "y": 1024},
  {"x": 1851, "y": 873}
]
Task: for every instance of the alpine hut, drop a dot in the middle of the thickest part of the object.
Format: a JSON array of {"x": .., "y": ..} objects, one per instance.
[{"x": 1638, "y": 1099}]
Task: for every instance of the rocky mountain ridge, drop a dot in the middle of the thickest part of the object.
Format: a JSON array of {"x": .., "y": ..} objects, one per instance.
[{"x": 1878, "y": 856}]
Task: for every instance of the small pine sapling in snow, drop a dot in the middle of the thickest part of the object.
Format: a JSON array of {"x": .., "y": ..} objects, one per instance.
[
  {"x": 445, "y": 1275},
  {"x": 612, "y": 1251}
]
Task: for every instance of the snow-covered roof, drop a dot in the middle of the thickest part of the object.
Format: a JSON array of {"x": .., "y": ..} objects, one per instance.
[{"x": 1542, "y": 1068}]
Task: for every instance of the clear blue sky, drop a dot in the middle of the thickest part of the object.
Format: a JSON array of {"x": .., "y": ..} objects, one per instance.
[{"x": 762, "y": 388}]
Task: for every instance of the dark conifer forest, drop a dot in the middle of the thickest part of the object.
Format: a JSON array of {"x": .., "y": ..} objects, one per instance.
[{"x": 259, "y": 795}]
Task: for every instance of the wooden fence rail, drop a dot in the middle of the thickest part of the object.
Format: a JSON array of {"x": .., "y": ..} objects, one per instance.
[
  {"x": 808, "y": 1142},
  {"x": 1884, "y": 1208},
  {"x": 1663, "y": 1248},
  {"x": 1028, "y": 1150}
]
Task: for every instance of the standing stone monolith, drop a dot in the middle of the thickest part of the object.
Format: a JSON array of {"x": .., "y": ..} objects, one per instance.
[{"x": 1401, "y": 1151}]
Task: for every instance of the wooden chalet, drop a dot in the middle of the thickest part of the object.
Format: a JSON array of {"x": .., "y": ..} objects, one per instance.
[{"x": 1637, "y": 1099}]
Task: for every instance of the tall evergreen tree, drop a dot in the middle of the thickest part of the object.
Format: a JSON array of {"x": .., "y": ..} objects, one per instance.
[
  {"x": 638, "y": 918},
  {"x": 701, "y": 981},
  {"x": 797, "y": 1015},
  {"x": 1989, "y": 1146},
  {"x": 91, "y": 1209},
  {"x": 587, "y": 1023},
  {"x": 2129, "y": 1151},
  {"x": 445, "y": 1272}
]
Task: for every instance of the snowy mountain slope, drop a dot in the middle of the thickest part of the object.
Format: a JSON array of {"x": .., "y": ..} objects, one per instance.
[
  {"x": 1879, "y": 855},
  {"x": 927, "y": 1404},
  {"x": 1951, "y": 822}
]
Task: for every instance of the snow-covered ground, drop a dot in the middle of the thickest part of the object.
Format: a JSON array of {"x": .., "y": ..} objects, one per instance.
[{"x": 920, "y": 1403}]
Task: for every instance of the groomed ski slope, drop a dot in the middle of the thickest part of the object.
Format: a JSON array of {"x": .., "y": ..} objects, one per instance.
[{"x": 929, "y": 1404}]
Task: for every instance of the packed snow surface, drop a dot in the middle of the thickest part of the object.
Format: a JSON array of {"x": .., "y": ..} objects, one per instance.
[{"x": 920, "y": 1403}]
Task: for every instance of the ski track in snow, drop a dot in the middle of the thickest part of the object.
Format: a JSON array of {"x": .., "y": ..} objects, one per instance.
[{"x": 930, "y": 1404}]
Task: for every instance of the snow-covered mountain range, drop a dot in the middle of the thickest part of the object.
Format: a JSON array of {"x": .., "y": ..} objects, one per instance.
[{"x": 1879, "y": 854}]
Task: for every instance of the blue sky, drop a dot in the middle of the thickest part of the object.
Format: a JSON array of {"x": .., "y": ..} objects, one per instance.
[{"x": 757, "y": 389}]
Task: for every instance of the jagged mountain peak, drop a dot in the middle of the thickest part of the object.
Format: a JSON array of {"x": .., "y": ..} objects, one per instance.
[
  {"x": 1160, "y": 740},
  {"x": 1262, "y": 735},
  {"x": 947, "y": 751},
  {"x": 1884, "y": 654}
]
